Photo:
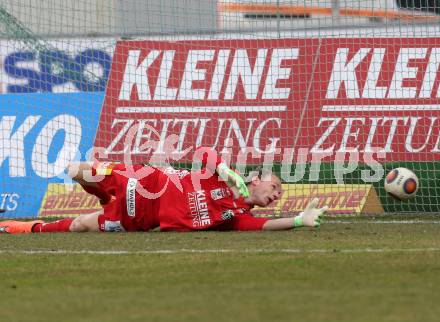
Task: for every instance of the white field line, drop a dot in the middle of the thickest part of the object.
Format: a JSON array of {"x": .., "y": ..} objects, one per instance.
[
  {"x": 223, "y": 251},
  {"x": 382, "y": 222}
]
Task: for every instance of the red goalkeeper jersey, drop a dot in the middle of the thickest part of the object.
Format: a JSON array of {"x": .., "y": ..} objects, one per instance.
[
  {"x": 176, "y": 200},
  {"x": 203, "y": 204}
]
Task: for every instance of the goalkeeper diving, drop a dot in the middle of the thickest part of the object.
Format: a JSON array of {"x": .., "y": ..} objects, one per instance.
[{"x": 143, "y": 198}]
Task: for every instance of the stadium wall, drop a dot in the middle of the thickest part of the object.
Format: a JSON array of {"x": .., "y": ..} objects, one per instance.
[{"x": 72, "y": 18}]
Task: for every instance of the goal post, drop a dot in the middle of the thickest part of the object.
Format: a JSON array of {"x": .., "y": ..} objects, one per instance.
[{"x": 330, "y": 95}]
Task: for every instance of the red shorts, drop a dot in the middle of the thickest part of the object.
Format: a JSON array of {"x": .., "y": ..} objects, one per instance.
[{"x": 130, "y": 208}]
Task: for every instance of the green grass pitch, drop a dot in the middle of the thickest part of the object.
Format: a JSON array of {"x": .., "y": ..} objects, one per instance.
[{"x": 351, "y": 269}]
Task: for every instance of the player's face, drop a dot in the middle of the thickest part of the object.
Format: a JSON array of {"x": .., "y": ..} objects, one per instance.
[{"x": 266, "y": 190}]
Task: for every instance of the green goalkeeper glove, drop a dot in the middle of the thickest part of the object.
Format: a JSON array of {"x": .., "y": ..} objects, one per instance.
[
  {"x": 233, "y": 179},
  {"x": 311, "y": 216}
]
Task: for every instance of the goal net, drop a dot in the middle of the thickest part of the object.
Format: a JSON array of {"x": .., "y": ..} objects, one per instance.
[{"x": 330, "y": 95}]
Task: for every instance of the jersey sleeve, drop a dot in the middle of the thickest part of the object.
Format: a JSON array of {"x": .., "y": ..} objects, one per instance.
[{"x": 245, "y": 222}]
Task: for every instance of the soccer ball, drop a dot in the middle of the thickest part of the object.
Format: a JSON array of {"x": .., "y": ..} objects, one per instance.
[{"x": 401, "y": 183}]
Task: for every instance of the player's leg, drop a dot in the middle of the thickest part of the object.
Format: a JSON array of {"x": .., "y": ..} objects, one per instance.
[
  {"x": 18, "y": 227},
  {"x": 80, "y": 224},
  {"x": 81, "y": 172},
  {"x": 86, "y": 223},
  {"x": 83, "y": 223}
]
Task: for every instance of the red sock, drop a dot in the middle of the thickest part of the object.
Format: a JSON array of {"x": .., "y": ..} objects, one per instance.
[{"x": 58, "y": 226}]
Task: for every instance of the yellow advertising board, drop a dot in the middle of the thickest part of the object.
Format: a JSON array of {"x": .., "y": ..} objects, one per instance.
[
  {"x": 340, "y": 198},
  {"x": 67, "y": 200}
]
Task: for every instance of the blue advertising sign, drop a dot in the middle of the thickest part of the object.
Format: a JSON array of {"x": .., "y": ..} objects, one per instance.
[
  {"x": 57, "y": 66},
  {"x": 68, "y": 70},
  {"x": 40, "y": 134}
]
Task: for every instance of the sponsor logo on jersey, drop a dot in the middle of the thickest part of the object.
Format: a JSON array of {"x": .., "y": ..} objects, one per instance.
[
  {"x": 131, "y": 197},
  {"x": 199, "y": 208},
  {"x": 183, "y": 173},
  {"x": 180, "y": 173},
  {"x": 220, "y": 193},
  {"x": 227, "y": 214}
]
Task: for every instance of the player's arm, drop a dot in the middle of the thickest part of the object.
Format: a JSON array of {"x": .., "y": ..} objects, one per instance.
[
  {"x": 232, "y": 178},
  {"x": 211, "y": 160},
  {"x": 310, "y": 217}
]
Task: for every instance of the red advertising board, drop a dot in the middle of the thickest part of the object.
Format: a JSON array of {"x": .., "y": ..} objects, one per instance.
[{"x": 326, "y": 96}]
